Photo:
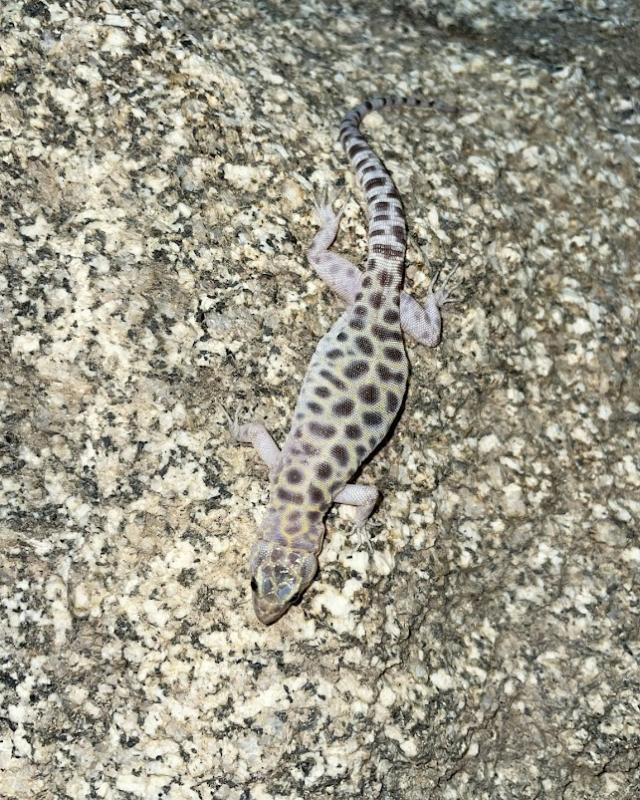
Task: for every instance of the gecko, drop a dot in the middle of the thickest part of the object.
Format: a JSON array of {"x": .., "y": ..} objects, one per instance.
[{"x": 354, "y": 386}]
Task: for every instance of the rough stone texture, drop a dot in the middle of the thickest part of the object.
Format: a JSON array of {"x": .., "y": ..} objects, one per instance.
[{"x": 158, "y": 165}]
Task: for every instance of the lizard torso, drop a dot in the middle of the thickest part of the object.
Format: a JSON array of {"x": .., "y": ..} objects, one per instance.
[{"x": 350, "y": 396}]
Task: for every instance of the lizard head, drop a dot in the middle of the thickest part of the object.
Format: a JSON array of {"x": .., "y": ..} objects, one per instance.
[{"x": 279, "y": 576}]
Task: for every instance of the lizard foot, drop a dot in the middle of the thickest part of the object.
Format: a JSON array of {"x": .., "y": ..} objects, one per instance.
[{"x": 323, "y": 205}]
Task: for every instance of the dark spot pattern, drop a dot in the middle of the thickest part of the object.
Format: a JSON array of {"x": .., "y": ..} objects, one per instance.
[
  {"x": 386, "y": 334},
  {"x": 364, "y": 345},
  {"x": 386, "y": 374},
  {"x": 367, "y": 281},
  {"x": 360, "y": 310},
  {"x": 386, "y": 250},
  {"x": 342, "y": 336},
  {"x": 343, "y": 408},
  {"x": 372, "y": 418},
  {"x": 399, "y": 234},
  {"x": 323, "y": 471},
  {"x": 289, "y": 497},
  {"x": 361, "y": 451},
  {"x": 322, "y": 391},
  {"x": 393, "y": 353},
  {"x": 316, "y": 408},
  {"x": 313, "y": 516},
  {"x": 369, "y": 393},
  {"x": 316, "y": 495},
  {"x": 294, "y": 475},
  {"x": 334, "y": 353},
  {"x": 376, "y": 299},
  {"x": 392, "y": 402},
  {"x": 391, "y": 316},
  {"x": 356, "y": 369},
  {"x": 333, "y": 379},
  {"x": 341, "y": 455},
  {"x": 353, "y": 431},
  {"x": 323, "y": 431},
  {"x": 373, "y": 183},
  {"x": 357, "y": 324}
]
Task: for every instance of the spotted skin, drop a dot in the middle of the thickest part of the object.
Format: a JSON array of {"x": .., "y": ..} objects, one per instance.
[{"x": 353, "y": 388}]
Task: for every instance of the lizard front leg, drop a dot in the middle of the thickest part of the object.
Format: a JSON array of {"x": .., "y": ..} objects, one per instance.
[{"x": 362, "y": 496}]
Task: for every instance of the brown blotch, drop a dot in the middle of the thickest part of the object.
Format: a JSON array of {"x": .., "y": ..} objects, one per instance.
[
  {"x": 392, "y": 402},
  {"x": 367, "y": 280},
  {"x": 376, "y": 299},
  {"x": 324, "y": 431},
  {"x": 385, "y": 277},
  {"x": 391, "y": 316},
  {"x": 353, "y": 431},
  {"x": 343, "y": 408},
  {"x": 356, "y": 369},
  {"x": 309, "y": 449},
  {"x": 360, "y": 310},
  {"x": 355, "y": 149},
  {"x": 386, "y": 250},
  {"x": 386, "y": 374},
  {"x": 289, "y": 497},
  {"x": 321, "y": 391},
  {"x": 372, "y": 183},
  {"x": 316, "y": 495},
  {"x": 323, "y": 471},
  {"x": 333, "y": 379},
  {"x": 340, "y": 453},
  {"x": 357, "y": 324},
  {"x": 294, "y": 475},
  {"x": 399, "y": 234},
  {"x": 364, "y": 345},
  {"x": 372, "y": 418},
  {"x": 313, "y": 516},
  {"x": 368, "y": 393},
  {"x": 393, "y": 353},
  {"x": 386, "y": 334}
]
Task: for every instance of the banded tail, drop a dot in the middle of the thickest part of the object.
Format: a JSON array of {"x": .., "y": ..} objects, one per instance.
[{"x": 387, "y": 227}]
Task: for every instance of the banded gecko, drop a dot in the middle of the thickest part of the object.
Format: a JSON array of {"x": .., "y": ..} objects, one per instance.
[{"x": 353, "y": 388}]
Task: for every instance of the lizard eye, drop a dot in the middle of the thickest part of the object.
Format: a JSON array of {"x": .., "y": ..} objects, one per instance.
[{"x": 254, "y": 585}]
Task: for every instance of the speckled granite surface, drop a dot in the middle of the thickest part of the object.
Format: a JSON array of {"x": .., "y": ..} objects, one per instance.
[{"x": 158, "y": 164}]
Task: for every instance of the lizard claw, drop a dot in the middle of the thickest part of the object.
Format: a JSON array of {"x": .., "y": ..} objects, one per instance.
[
  {"x": 444, "y": 293},
  {"x": 323, "y": 204}
]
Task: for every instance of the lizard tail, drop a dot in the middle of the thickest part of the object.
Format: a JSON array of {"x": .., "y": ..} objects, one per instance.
[{"x": 387, "y": 227}]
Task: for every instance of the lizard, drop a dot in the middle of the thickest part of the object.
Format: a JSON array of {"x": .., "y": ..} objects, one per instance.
[{"x": 354, "y": 386}]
